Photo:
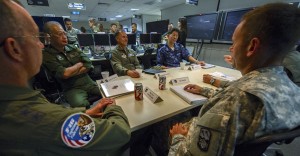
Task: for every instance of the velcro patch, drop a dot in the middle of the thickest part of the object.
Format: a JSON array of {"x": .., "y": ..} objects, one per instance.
[
  {"x": 78, "y": 130},
  {"x": 204, "y": 139}
]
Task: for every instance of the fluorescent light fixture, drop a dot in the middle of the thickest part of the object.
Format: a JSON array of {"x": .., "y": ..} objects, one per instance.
[
  {"x": 132, "y": 9},
  {"x": 49, "y": 15},
  {"x": 118, "y": 16},
  {"x": 78, "y": 6},
  {"x": 112, "y": 19},
  {"x": 66, "y": 16},
  {"x": 74, "y": 20},
  {"x": 75, "y": 12}
]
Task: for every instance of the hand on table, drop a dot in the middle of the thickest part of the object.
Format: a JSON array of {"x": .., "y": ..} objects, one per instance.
[
  {"x": 192, "y": 88},
  {"x": 97, "y": 110}
]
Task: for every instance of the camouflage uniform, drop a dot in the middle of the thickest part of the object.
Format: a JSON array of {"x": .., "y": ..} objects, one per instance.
[
  {"x": 262, "y": 102},
  {"x": 123, "y": 60},
  {"x": 30, "y": 125},
  {"x": 72, "y": 35},
  {"x": 292, "y": 62},
  {"x": 76, "y": 88},
  {"x": 172, "y": 58}
]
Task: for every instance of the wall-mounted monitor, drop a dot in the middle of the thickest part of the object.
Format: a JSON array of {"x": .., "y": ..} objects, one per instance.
[
  {"x": 201, "y": 26},
  {"x": 85, "y": 39},
  {"x": 39, "y": 22},
  {"x": 230, "y": 21},
  {"x": 155, "y": 38},
  {"x": 157, "y": 26},
  {"x": 101, "y": 39},
  {"x": 145, "y": 39},
  {"x": 112, "y": 39},
  {"x": 131, "y": 39}
]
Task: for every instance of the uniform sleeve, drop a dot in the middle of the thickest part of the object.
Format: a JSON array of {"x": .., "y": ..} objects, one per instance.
[
  {"x": 207, "y": 92},
  {"x": 228, "y": 122},
  {"x": 53, "y": 65},
  {"x": 185, "y": 53},
  {"x": 112, "y": 130},
  {"x": 85, "y": 60},
  {"x": 117, "y": 65},
  {"x": 160, "y": 57}
]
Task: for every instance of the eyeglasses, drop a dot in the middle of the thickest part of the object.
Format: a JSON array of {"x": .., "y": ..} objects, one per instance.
[
  {"x": 60, "y": 34},
  {"x": 40, "y": 36}
]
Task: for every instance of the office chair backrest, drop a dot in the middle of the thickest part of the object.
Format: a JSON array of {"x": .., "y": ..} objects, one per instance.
[
  {"x": 259, "y": 145},
  {"x": 146, "y": 59}
]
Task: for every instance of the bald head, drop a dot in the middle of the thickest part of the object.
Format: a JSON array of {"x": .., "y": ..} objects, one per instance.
[{"x": 11, "y": 16}]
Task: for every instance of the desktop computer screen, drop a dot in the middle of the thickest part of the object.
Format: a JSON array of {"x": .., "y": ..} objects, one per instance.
[
  {"x": 101, "y": 39},
  {"x": 112, "y": 39},
  {"x": 131, "y": 39},
  {"x": 145, "y": 39},
  {"x": 155, "y": 38},
  {"x": 85, "y": 39}
]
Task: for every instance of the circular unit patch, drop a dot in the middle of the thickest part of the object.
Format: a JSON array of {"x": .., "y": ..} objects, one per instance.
[{"x": 78, "y": 130}]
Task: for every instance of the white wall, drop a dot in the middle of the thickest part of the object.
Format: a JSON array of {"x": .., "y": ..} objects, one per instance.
[{"x": 149, "y": 18}]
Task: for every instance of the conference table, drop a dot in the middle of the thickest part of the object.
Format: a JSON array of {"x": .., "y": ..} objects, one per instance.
[{"x": 144, "y": 113}]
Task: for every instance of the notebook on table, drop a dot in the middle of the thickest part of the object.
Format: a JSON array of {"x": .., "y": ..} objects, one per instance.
[
  {"x": 152, "y": 71},
  {"x": 190, "y": 98}
]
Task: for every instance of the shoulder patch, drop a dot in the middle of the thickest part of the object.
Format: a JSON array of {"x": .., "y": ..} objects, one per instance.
[
  {"x": 78, "y": 130},
  {"x": 204, "y": 139}
]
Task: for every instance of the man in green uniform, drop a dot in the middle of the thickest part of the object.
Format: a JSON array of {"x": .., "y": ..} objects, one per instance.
[
  {"x": 124, "y": 60},
  {"x": 263, "y": 101},
  {"x": 30, "y": 125},
  {"x": 69, "y": 65}
]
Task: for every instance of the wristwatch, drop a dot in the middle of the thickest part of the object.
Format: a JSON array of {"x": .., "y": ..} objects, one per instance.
[{"x": 212, "y": 81}]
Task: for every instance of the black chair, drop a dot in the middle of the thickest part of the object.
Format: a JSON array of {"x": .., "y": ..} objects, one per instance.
[
  {"x": 47, "y": 84},
  {"x": 258, "y": 146},
  {"x": 146, "y": 58}
]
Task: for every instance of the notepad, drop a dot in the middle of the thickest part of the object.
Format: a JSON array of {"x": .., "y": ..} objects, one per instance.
[
  {"x": 117, "y": 88},
  {"x": 190, "y": 98}
]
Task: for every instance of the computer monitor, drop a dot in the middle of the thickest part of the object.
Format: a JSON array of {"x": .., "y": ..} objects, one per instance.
[
  {"x": 231, "y": 20},
  {"x": 39, "y": 22},
  {"x": 145, "y": 39},
  {"x": 155, "y": 38},
  {"x": 131, "y": 39},
  {"x": 85, "y": 39},
  {"x": 157, "y": 26},
  {"x": 101, "y": 39},
  {"x": 112, "y": 39},
  {"x": 201, "y": 26}
]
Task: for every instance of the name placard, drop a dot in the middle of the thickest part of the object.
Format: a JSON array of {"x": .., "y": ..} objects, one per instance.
[
  {"x": 154, "y": 98},
  {"x": 110, "y": 78},
  {"x": 157, "y": 75},
  {"x": 194, "y": 67},
  {"x": 179, "y": 80}
]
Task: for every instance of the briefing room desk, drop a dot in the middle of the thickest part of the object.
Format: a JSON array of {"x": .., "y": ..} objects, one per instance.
[{"x": 143, "y": 113}]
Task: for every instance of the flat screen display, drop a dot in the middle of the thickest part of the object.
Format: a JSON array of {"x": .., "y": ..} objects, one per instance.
[
  {"x": 101, "y": 39},
  {"x": 131, "y": 39},
  {"x": 85, "y": 39},
  {"x": 231, "y": 20},
  {"x": 145, "y": 38},
  {"x": 112, "y": 39},
  {"x": 201, "y": 26},
  {"x": 155, "y": 38},
  {"x": 157, "y": 26}
]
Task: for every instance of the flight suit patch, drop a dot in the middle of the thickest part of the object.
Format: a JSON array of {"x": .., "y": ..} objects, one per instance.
[
  {"x": 78, "y": 130},
  {"x": 204, "y": 139}
]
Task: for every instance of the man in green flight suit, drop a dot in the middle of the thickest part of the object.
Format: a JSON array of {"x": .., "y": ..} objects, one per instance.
[
  {"x": 69, "y": 65},
  {"x": 31, "y": 125}
]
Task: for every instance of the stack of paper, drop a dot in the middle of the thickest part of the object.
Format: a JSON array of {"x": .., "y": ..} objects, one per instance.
[
  {"x": 190, "y": 98},
  {"x": 221, "y": 76},
  {"x": 117, "y": 88}
]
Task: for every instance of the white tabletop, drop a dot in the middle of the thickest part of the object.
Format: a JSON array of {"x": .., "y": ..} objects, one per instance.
[{"x": 143, "y": 113}]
